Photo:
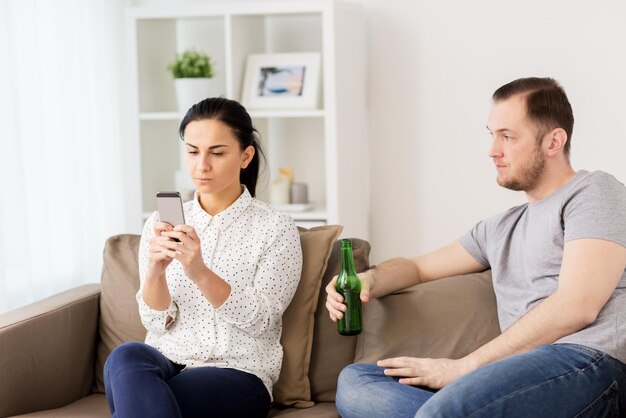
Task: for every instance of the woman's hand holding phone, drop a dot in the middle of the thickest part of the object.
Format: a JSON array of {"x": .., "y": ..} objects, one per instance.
[
  {"x": 170, "y": 208},
  {"x": 175, "y": 240},
  {"x": 159, "y": 259},
  {"x": 188, "y": 250}
]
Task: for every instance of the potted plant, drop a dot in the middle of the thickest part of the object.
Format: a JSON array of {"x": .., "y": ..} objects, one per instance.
[{"x": 193, "y": 77}]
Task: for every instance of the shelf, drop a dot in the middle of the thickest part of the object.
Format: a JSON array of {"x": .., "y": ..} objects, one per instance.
[
  {"x": 312, "y": 215},
  {"x": 309, "y": 216},
  {"x": 315, "y": 214},
  {"x": 237, "y": 8},
  {"x": 315, "y": 113},
  {"x": 314, "y": 142}
]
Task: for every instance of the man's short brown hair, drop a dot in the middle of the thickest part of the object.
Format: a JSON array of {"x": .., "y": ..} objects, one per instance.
[{"x": 546, "y": 104}]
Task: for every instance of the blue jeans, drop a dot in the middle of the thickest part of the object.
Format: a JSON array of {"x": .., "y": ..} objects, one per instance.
[
  {"x": 555, "y": 380},
  {"x": 142, "y": 382}
]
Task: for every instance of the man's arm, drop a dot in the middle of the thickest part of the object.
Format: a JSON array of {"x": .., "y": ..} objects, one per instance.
[
  {"x": 399, "y": 273},
  {"x": 590, "y": 272}
]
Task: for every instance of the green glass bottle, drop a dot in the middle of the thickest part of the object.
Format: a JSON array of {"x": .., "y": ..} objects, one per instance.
[{"x": 349, "y": 286}]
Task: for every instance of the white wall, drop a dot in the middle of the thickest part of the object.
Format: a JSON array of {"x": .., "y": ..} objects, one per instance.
[
  {"x": 432, "y": 68},
  {"x": 433, "y": 65}
]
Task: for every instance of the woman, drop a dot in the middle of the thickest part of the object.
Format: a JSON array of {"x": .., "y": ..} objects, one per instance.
[{"x": 212, "y": 303}]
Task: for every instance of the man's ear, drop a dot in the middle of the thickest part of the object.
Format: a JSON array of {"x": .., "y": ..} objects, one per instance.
[{"x": 557, "y": 139}]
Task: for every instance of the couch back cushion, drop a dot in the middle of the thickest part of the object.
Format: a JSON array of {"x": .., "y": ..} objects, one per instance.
[
  {"x": 120, "y": 322},
  {"x": 332, "y": 351},
  {"x": 445, "y": 318},
  {"x": 119, "y": 314}
]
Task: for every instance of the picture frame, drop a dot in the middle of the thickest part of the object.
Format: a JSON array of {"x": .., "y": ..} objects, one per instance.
[{"x": 282, "y": 81}]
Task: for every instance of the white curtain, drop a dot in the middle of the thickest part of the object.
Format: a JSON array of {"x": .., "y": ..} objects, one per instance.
[{"x": 61, "y": 184}]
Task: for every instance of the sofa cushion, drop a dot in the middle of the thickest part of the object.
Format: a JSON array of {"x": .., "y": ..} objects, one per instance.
[
  {"x": 445, "y": 318},
  {"x": 92, "y": 406},
  {"x": 320, "y": 410},
  {"x": 119, "y": 315},
  {"x": 331, "y": 351},
  {"x": 293, "y": 387}
]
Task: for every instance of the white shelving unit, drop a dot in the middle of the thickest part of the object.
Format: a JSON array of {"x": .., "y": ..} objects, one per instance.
[{"x": 327, "y": 147}]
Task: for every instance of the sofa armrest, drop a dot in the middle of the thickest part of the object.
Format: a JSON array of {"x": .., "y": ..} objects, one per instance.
[
  {"x": 47, "y": 351},
  {"x": 445, "y": 318}
]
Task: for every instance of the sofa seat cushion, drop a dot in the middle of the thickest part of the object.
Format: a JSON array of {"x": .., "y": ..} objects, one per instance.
[
  {"x": 95, "y": 406},
  {"x": 92, "y": 406},
  {"x": 447, "y": 318},
  {"x": 320, "y": 410}
]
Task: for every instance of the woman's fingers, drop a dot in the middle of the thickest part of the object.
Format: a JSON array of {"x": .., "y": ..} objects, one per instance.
[{"x": 160, "y": 227}]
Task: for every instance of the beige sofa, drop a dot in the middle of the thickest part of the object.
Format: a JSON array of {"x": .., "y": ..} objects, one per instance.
[{"x": 52, "y": 352}]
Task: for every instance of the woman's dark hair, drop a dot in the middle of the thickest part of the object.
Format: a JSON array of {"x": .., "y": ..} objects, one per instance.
[{"x": 234, "y": 115}]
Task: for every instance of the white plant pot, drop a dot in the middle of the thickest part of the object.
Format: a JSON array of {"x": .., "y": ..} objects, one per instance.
[{"x": 190, "y": 91}]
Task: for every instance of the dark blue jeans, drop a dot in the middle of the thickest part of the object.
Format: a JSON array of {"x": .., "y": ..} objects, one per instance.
[
  {"x": 141, "y": 382},
  {"x": 551, "y": 381}
]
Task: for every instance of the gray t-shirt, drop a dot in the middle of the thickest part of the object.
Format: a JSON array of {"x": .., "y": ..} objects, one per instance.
[{"x": 524, "y": 248}]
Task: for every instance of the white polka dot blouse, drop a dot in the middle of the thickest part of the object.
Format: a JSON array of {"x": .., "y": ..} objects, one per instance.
[{"x": 254, "y": 248}]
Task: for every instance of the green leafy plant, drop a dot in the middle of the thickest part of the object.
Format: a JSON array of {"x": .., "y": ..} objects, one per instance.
[{"x": 191, "y": 64}]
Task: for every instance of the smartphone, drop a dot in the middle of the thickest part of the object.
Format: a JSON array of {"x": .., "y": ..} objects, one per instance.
[{"x": 170, "y": 207}]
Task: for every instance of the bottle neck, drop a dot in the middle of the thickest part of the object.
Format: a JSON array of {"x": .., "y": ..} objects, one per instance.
[{"x": 347, "y": 261}]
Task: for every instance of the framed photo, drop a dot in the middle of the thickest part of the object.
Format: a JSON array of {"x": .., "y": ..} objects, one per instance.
[{"x": 282, "y": 81}]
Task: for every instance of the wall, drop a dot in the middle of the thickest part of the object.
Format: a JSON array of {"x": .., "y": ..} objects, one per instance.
[
  {"x": 432, "y": 68},
  {"x": 433, "y": 65}
]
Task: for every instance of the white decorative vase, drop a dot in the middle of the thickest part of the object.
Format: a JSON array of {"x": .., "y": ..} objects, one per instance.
[{"x": 190, "y": 91}]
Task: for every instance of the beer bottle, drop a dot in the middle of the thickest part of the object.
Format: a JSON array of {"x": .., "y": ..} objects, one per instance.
[{"x": 349, "y": 286}]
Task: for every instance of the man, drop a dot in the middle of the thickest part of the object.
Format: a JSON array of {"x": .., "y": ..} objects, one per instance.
[{"x": 558, "y": 266}]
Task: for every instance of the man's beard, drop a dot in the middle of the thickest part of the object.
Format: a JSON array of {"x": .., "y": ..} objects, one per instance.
[{"x": 529, "y": 175}]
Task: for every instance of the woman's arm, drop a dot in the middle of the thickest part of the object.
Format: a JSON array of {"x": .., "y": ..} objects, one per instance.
[
  {"x": 156, "y": 308},
  {"x": 188, "y": 251}
]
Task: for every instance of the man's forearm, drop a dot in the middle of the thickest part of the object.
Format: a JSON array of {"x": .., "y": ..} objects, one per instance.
[
  {"x": 399, "y": 273},
  {"x": 393, "y": 275},
  {"x": 552, "y": 319}
]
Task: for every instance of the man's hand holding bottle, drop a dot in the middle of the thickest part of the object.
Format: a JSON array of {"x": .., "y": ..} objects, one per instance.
[{"x": 334, "y": 301}]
